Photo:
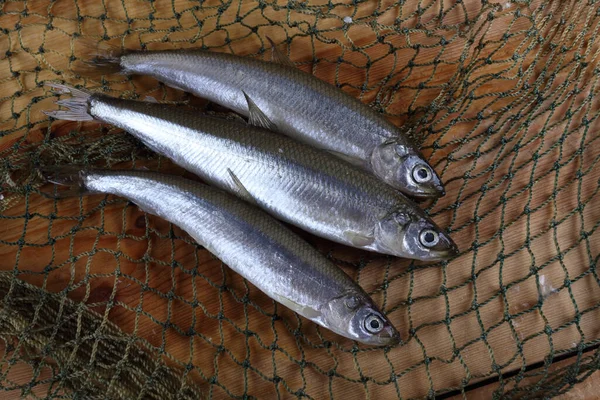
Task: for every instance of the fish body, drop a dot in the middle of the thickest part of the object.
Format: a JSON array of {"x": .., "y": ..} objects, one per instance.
[
  {"x": 250, "y": 242},
  {"x": 292, "y": 181},
  {"x": 299, "y": 105}
]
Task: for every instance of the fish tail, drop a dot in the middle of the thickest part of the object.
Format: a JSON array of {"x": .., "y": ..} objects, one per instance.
[
  {"x": 65, "y": 175},
  {"x": 99, "y": 58},
  {"x": 77, "y": 106},
  {"x": 72, "y": 176}
]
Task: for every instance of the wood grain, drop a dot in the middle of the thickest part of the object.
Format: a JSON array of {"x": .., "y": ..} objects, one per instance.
[{"x": 143, "y": 272}]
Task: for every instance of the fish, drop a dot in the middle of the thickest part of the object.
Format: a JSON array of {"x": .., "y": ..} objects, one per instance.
[
  {"x": 294, "y": 182},
  {"x": 288, "y": 100},
  {"x": 250, "y": 242}
]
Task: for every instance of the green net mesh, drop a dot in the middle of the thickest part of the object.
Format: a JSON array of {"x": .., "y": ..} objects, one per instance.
[{"x": 102, "y": 300}]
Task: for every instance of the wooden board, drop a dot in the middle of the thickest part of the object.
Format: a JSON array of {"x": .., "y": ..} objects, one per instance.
[
  {"x": 148, "y": 291},
  {"x": 587, "y": 389}
]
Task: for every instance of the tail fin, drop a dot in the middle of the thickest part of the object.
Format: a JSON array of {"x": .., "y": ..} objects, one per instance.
[
  {"x": 78, "y": 109},
  {"x": 65, "y": 175},
  {"x": 98, "y": 58},
  {"x": 72, "y": 176}
]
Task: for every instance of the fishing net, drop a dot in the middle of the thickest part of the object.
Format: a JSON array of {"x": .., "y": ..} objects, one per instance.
[{"x": 102, "y": 300}]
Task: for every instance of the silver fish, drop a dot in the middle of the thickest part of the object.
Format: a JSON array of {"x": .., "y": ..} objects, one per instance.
[
  {"x": 250, "y": 242},
  {"x": 292, "y": 102},
  {"x": 293, "y": 181}
]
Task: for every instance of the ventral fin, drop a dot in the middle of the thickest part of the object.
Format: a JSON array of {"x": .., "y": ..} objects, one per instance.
[
  {"x": 243, "y": 192},
  {"x": 359, "y": 239},
  {"x": 150, "y": 99},
  {"x": 256, "y": 117},
  {"x": 278, "y": 57}
]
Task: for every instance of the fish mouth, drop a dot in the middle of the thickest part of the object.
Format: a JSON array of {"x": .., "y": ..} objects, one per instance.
[
  {"x": 389, "y": 336},
  {"x": 445, "y": 250},
  {"x": 429, "y": 193},
  {"x": 447, "y": 253}
]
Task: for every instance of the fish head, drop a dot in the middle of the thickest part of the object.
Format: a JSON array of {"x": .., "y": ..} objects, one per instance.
[
  {"x": 405, "y": 233},
  {"x": 355, "y": 316},
  {"x": 401, "y": 167}
]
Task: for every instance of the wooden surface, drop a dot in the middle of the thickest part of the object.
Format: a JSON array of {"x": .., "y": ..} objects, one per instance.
[
  {"x": 586, "y": 390},
  {"x": 85, "y": 262}
]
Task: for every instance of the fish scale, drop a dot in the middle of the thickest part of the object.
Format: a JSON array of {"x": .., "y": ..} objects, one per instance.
[
  {"x": 295, "y": 163},
  {"x": 285, "y": 99},
  {"x": 294, "y": 182},
  {"x": 250, "y": 242},
  {"x": 300, "y": 98}
]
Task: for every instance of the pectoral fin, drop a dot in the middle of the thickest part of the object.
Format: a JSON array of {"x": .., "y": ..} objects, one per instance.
[
  {"x": 359, "y": 239},
  {"x": 256, "y": 117},
  {"x": 347, "y": 158},
  {"x": 243, "y": 192},
  {"x": 307, "y": 312},
  {"x": 278, "y": 56}
]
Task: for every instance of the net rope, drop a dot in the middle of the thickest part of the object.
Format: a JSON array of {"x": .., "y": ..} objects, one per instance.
[{"x": 101, "y": 300}]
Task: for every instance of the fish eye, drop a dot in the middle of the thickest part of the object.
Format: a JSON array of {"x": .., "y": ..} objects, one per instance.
[
  {"x": 422, "y": 173},
  {"x": 374, "y": 323},
  {"x": 429, "y": 238}
]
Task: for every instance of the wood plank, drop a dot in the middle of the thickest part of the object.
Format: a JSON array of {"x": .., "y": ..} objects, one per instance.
[
  {"x": 86, "y": 261},
  {"x": 588, "y": 389}
]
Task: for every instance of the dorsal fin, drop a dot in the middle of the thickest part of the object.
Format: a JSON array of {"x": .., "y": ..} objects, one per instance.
[
  {"x": 278, "y": 56},
  {"x": 256, "y": 117},
  {"x": 243, "y": 192}
]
